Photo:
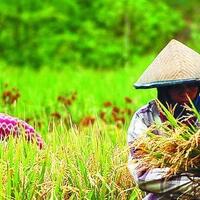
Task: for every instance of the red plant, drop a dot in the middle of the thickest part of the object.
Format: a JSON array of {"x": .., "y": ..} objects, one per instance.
[
  {"x": 115, "y": 109},
  {"x": 114, "y": 114},
  {"x": 128, "y": 111},
  {"x": 68, "y": 100},
  {"x": 119, "y": 119},
  {"x": 10, "y": 96},
  {"x": 86, "y": 121},
  {"x": 56, "y": 115},
  {"x": 128, "y": 100},
  {"x": 102, "y": 115},
  {"x": 107, "y": 104}
]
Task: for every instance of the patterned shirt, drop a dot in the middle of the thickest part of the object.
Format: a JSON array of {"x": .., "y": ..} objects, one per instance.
[
  {"x": 153, "y": 181},
  {"x": 14, "y": 126}
]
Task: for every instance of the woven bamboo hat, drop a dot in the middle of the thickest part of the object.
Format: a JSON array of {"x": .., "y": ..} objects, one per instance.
[{"x": 175, "y": 64}]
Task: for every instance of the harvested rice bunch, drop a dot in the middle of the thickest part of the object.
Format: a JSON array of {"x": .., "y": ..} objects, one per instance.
[{"x": 177, "y": 146}]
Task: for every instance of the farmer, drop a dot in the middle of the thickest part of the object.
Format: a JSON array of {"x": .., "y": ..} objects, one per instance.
[
  {"x": 175, "y": 73},
  {"x": 14, "y": 126}
]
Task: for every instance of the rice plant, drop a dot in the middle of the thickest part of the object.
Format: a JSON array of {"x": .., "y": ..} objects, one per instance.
[
  {"x": 177, "y": 146},
  {"x": 75, "y": 163}
]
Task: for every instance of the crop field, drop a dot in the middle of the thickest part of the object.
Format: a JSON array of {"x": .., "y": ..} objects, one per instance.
[
  {"x": 68, "y": 69},
  {"x": 82, "y": 116}
]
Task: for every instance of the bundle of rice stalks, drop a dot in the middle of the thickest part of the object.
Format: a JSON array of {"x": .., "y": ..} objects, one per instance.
[{"x": 177, "y": 146}]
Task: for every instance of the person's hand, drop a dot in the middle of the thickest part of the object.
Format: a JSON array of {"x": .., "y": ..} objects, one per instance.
[{"x": 141, "y": 169}]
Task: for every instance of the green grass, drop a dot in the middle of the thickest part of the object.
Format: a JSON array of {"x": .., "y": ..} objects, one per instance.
[
  {"x": 77, "y": 162},
  {"x": 88, "y": 163},
  {"x": 39, "y": 89}
]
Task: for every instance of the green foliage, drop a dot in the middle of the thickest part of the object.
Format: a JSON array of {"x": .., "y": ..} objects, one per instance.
[
  {"x": 74, "y": 164},
  {"x": 39, "y": 90},
  {"x": 77, "y": 162},
  {"x": 101, "y": 33},
  {"x": 190, "y": 13}
]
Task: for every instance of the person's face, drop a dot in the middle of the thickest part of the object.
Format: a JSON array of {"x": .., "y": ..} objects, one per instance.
[{"x": 180, "y": 93}]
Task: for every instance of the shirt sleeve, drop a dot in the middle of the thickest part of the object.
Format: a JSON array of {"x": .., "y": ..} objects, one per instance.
[{"x": 153, "y": 180}]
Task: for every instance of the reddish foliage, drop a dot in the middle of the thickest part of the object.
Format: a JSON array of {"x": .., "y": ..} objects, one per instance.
[
  {"x": 109, "y": 114},
  {"x": 86, "y": 121},
  {"x": 56, "y": 115},
  {"x": 128, "y": 100},
  {"x": 115, "y": 109},
  {"x": 68, "y": 100},
  {"x": 107, "y": 104},
  {"x": 102, "y": 115},
  {"x": 10, "y": 96},
  {"x": 128, "y": 111},
  {"x": 28, "y": 119},
  {"x": 120, "y": 119},
  {"x": 113, "y": 114}
]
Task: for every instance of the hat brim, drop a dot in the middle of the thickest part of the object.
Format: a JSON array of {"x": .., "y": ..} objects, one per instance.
[{"x": 158, "y": 84}]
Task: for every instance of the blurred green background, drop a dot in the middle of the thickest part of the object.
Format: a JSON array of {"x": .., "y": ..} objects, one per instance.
[
  {"x": 96, "y": 48},
  {"x": 99, "y": 34}
]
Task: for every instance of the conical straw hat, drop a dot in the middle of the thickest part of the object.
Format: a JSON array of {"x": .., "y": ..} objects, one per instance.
[{"x": 175, "y": 64}]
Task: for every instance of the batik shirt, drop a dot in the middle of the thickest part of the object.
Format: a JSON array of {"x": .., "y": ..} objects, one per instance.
[
  {"x": 153, "y": 181},
  {"x": 13, "y": 126}
]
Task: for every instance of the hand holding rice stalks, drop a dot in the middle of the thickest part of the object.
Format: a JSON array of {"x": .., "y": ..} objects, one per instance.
[{"x": 177, "y": 146}]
